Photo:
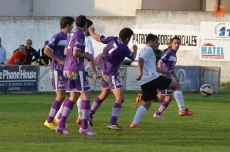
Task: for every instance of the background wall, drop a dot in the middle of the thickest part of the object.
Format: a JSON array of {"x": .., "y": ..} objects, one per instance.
[{"x": 16, "y": 30}]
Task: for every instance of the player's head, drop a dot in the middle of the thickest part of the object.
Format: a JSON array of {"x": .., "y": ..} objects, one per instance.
[
  {"x": 169, "y": 44},
  {"x": 175, "y": 43},
  {"x": 125, "y": 35},
  {"x": 152, "y": 41},
  {"x": 22, "y": 48},
  {"x": 81, "y": 22},
  {"x": 67, "y": 23},
  {"x": 157, "y": 46},
  {"x": 88, "y": 24}
]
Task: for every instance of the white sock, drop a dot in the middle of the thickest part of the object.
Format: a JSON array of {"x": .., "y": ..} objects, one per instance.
[
  {"x": 79, "y": 107},
  {"x": 179, "y": 99},
  {"x": 140, "y": 112},
  {"x": 59, "y": 111}
]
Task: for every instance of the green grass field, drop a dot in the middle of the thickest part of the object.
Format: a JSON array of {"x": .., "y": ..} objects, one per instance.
[{"x": 23, "y": 115}]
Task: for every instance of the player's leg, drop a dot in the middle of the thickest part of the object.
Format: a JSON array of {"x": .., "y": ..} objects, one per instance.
[
  {"x": 166, "y": 98},
  {"x": 59, "y": 113},
  {"x": 178, "y": 95},
  {"x": 115, "y": 85},
  {"x": 100, "y": 98},
  {"x": 149, "y": 93},
  {"x": 59, "y": 86},
  {"x": 85, "y": 110},
  {"x": 79, "y": 102},
  {"x": 67, "y": 108}
]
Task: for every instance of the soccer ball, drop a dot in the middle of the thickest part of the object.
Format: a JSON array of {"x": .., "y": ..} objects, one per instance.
[{"x": 206, "y": 90}]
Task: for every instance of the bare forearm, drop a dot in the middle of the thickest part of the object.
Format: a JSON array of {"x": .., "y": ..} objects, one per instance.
[
  {"x": 140, "y": 65},
  {"x": 161, "y": 70},
  {"x": 78, "y": 54},
  {"x": 92, "y": 66},
  {"x": 95, "y": 36},
  {"x": 51, "y": 55}
]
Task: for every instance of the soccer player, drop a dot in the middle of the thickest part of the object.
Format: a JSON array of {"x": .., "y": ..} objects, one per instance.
[
  {"x": 105, "y": 91},
  {"x": 150, "y": 80},
  {"x": 88, "y": 50},
  {"x": 76, "y": 82},
  {"x": 113, "y": 55},
  {"x": 168, "y": 62},
  {"x": 55, "y": 50}
]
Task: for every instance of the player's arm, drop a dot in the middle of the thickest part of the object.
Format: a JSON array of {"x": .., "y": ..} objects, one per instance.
[
  {"x": 49, "y": 50},
  {"x": 65, "y": 52},
  {"x": 77, "y": 53},
  {"x": 140, "y": 68},
  {"x": 163, "y": 71},
  {"x": 93, "y": 34},
  {"x": 159, "y": 64},
  {"x": 131, "y": 54}
]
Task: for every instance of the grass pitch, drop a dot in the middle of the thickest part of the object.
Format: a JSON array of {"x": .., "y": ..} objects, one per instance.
[{"x": 23, "y": 115}]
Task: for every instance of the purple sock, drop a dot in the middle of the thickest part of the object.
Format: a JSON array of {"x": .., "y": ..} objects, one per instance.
[
  {"x": 67, "y": 108},
  {"x": 85, "y": 110},
  {"x": 163, "y": 106},
  {"x": 96, "y": 104},
  {"x": 53, "y": 110},
  {"x": 115, "y": 113}
]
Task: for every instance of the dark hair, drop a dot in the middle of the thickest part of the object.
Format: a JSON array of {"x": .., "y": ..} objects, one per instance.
[
  {"x": 67, "y": 20},
  {"x": 151, "y": 37},
  {"x": 21, "y": 45},
  {"x": 18, "y": 48},
  {"x": 89, "y": 23},
  {"x": 174, "y": 38},
  {"x": 46, "y": 42},
  {"x": 125, "y": 33},
  {"x": 81, "y": 21}
]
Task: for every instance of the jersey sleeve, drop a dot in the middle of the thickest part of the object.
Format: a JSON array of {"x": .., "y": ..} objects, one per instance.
[
  {"x": 105, "y": 40},
  {"x": 165, "y": 57},
  {"x": 145, "y": 54},
  {"x": 53, "y": 42},
  {"x": 79, "y": 42}
]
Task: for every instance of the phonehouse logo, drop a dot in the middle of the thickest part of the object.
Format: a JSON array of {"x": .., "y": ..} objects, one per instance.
[{"x": 210, "y": 51}]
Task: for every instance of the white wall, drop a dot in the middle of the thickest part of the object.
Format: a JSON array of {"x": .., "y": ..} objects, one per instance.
[
  {"x": 86, "y": 7},
  {"x": 15, "y": 7},
  {"x": 16, "y": 30}
]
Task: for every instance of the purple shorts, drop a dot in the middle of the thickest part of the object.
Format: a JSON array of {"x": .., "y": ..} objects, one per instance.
[
  {"x": 112, "y": 82},
  {"x": 166, "y": 92},
  {"x": 57, "y": 80},
  {"x": 76, "y": 81}
]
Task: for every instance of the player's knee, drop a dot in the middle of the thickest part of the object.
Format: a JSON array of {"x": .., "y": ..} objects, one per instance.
[
  {"x": 174, "y": 85},
  {"x": 147, "y": 104}
]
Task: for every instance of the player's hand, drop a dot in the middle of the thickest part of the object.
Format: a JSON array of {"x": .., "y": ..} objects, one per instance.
[
  {"x": 134, "y": 47},
  {"x": 91, "y": 29},
  {"x": 104, "y": 76},
  {"x": 61, "y": 62},
  {"x": 94, "y": 77},
  {"x": 138, "y": 77}
]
